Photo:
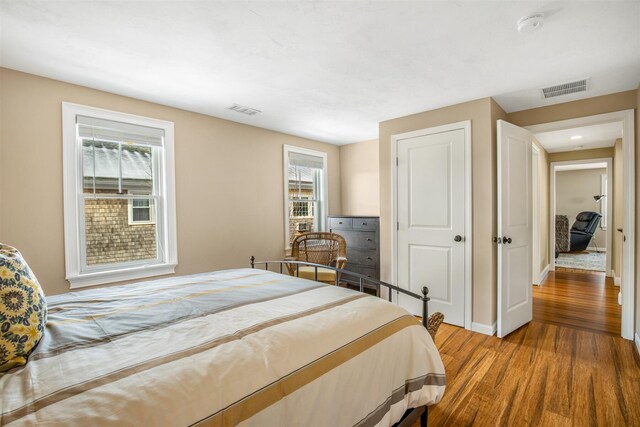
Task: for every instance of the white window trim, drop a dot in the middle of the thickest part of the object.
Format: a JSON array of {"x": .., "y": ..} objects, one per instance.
[
  {"x": 72, "y": 169},
  {"x": 152, "y": 214},
  {"x": 322, "y": 220}
]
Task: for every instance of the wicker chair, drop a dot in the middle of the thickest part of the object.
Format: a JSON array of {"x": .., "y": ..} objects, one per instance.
[
  {"x": 433, "y": 323},
  {"x": 319, "y": 248}
]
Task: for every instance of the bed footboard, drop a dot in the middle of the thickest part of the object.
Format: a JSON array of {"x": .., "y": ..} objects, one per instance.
[{"x": 362, "y": 279}]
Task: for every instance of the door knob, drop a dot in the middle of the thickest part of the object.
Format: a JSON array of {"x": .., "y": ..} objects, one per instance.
[
  {"x": 506, "y": 240},
  {"x": 458, "y": 238}
]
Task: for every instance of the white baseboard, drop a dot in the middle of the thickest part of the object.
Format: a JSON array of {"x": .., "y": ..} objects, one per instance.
[
  {"x": 483, "y": 329},
  {"x": 637, "y": 340},
  {"x": 544, "y": 274},
  {"x": 596, "y": 249},
  {"x": 617, "y": 280}
]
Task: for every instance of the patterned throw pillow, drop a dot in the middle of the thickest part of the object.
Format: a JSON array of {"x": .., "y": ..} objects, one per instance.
[{"x": 23, "y": 309}]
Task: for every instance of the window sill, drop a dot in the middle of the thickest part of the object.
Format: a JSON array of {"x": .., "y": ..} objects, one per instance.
[{"x": 104, "y": 277}]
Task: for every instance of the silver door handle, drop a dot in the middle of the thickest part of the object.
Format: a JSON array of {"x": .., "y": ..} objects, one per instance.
[{"x": 458, "y": 238}]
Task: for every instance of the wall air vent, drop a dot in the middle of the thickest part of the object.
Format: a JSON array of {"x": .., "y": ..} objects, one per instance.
[
  {"x": 244, "y": 110},
  {"x": 565, "y": 88}
]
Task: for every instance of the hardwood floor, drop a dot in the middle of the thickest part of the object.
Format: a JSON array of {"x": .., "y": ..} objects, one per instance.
[
  {"x": 578, "y": 299},
  {"x": 569, "y": 366},
  {"x": 541, "y": 375}
]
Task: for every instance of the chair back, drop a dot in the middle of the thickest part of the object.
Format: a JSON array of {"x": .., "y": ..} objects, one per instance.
[
  {"x": 433, "y": 323},
  {"x": 586, "y": 222},
  {"x": 319, "y": 248}
]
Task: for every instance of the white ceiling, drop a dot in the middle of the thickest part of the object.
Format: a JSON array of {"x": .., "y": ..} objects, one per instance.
[
  {"x": 328, "y": 70},
  {"x": 594, "y": 136}
]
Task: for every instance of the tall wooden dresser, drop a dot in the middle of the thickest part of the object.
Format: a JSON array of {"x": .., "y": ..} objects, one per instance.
[{"x": 362, "y": 234}]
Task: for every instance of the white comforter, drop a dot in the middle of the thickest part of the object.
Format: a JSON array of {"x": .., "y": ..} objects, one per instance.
[{"x": 237, "y": 347}]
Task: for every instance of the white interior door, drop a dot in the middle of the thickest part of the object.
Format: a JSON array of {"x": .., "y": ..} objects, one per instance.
[
  {"x": 431, "y": 221},
  {"x": 515, "y": 300}
]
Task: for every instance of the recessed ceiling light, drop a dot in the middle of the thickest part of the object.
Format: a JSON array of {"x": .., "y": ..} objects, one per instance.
[{"x": 574, "y": 137}]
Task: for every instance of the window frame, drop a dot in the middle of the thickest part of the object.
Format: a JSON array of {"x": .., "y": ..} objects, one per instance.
[
  {"x": 322, "y": 203},
  {"x": 152, "y": 212},
  {"x": 77, "y": 272}
]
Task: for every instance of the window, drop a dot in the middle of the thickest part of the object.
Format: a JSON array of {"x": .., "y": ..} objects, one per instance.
[
  {"x": 119, "y": 196},
  {"x": 305, "y": 191},
  {"x": 302, "y": 209},
  {"x": 141, "y": 211}
]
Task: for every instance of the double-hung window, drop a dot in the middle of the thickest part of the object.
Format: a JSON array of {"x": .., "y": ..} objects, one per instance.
[
  {"x": 119, "y": 196},
  {"x": 305, "y": 189}
]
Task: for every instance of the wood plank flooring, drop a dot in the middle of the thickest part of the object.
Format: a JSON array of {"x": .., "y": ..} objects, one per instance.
[
  {"x": 540, "y": 375},
  {"x": 565, "y": 368},
  {"x": 578, "y": 299}
]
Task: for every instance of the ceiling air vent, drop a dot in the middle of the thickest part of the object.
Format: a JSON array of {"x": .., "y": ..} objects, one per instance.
[
  {"x": 565, "y": 88},
  {"x": 244, "y": 110}
]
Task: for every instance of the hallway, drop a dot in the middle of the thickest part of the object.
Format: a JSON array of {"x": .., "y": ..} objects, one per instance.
[{"x": 585, "y": 300}]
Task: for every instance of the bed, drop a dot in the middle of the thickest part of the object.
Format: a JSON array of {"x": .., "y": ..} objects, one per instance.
[{"x": 235, "y": 347}]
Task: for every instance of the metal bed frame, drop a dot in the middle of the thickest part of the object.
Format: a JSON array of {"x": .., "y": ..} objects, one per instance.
[{"x": 411, "y": 415}]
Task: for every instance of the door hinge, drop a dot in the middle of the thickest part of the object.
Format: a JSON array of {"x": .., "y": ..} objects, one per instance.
[
  {"x": 398, "y": 225},
  {"x": 397, "y": 161}
]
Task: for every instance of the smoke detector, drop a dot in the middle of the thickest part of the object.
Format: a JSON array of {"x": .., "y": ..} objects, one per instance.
[{"x": 530, "y": 23}]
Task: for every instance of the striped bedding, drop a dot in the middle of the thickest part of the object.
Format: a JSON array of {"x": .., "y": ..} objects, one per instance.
[{"x": 236, "y": 347}]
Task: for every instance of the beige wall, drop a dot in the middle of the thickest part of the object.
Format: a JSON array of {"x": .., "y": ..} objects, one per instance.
[
  {"x": 543, "y": 194},
  {"x": 618, "y": 209},
  {"x": 360, "y": 178},
  {"x": 574, "y": 109},
  {"x": 574, "y": 194},
  {"x": 217, "y": 225},
  {"x": 595, "y": 153},
  {"x": 483, "y": 163}
]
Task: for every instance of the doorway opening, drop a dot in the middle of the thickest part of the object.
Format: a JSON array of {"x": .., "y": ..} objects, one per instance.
[
  {"x": 586, "y": 270},
  {"x": 584, "y": 215}
]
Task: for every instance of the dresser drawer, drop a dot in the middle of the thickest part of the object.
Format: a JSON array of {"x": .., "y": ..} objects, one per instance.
[
  {"x": 362, "y": 257},
  {"x": 365, "y": 224},
  {"x": 367, "y": 271},
  {"x": 359, "y": 239},
  {"x": 340, "y": 223}
]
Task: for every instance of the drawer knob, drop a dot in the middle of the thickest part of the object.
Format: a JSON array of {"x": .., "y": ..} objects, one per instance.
[
  {"x": 369, "y": 258},
  {"x": 369, "y": 240},
  {"x": 364, "y": 223},
  {"x": 339, "y": 222}
]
